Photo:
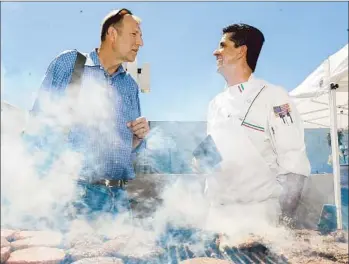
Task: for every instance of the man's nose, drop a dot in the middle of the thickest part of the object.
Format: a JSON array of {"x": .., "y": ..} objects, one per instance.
[
  {"x": 216, "y": 53},
  {"x": 140, "y": 42}
]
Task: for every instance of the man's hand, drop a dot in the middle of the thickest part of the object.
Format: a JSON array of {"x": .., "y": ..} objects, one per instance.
[
  {"x": 139, "y": 127},
  {"x": 292, "y": 187}
]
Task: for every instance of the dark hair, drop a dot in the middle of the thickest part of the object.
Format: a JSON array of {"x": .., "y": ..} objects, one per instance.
[
  {"x": 113, "y": 18},
  {"x": 243, "y": 34}
]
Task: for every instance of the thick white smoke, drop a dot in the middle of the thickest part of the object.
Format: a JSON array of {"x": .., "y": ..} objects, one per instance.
[
  {"x": 25, "y": 192},
  {"x": 30, "y": 200}
]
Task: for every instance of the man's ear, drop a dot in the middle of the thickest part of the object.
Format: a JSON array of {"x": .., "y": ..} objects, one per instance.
[
  {"x": 112, "y": 32},
  {"x": 242, "y": 51}
]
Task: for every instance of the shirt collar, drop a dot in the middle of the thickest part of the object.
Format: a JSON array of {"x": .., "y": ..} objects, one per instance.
[
  {"x": 92, "y": 60},
  {"x": 240, "y": 88}
]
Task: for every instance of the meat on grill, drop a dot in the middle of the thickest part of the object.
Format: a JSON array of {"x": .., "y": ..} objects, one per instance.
[
  {"x": 310, "y": 246},
  {"x": 78, "y": 253},
  {"x": 104, "y": 260},
  {"x": 142, "y": 252},
  {"x": 115, "y": 245},
  {"x": 5, "y": 254},
  {"x": 42, "y": 234},
  {"x": 94, "y": 248},
  {"x": 41, "y": 240},
  {"x": 79, "y": 241},
  {"x": 205, "y": 260},
  {"x": 37, "y": 255},
  {"x": 134, "y": 247}
]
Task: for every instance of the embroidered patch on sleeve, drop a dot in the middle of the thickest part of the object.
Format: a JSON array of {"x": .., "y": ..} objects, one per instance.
[{"x": 284, "y": 112}]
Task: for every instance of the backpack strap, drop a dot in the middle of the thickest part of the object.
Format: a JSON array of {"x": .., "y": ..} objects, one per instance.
[
  {"x": 73, "y": 88},
  {"x": 74, "y": 85}
]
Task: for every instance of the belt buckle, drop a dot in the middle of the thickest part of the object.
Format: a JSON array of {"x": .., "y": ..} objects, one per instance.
[
  {"x": 119, "y": 184},
  {"x": 107, "y": 183}
]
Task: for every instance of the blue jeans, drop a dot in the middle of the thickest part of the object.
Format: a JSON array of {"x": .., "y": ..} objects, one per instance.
[
  {"x": 96, "y": 200},
  {"x": 90, "y": 201}
]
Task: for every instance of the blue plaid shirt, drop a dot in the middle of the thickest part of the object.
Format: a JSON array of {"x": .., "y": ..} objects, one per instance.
[{"x": 107, "y": 155}]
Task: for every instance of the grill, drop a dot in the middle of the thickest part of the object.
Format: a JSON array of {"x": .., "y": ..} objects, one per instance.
[
  {"x": 183, "y": 244},
  {"x": 254, "y": 254},
  {"x": 179, "y": 245},
  {"x": 176, "y": 253}
]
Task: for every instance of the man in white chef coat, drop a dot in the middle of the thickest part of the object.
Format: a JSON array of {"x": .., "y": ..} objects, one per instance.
[{"x": 257, "y": 130}]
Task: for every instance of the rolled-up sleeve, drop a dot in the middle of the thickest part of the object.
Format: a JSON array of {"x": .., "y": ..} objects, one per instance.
[{"x": 287, "y": 135}]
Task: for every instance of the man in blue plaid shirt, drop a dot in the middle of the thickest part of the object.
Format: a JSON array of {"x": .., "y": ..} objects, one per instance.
[{"x": 108, "y": 128}]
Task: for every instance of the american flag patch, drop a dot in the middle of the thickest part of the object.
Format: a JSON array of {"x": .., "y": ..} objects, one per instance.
[{"x": 282, "y": 110}]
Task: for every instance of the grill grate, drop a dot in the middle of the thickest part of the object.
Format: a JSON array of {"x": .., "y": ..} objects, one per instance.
[
  {"x": 181, "y": 244},
  {"x": 254, "y": 254},
  {"x": 174, "y": 254}
]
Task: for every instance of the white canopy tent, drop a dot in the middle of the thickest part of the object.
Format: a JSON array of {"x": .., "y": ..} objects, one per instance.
[{"x": 322, "y": 100}]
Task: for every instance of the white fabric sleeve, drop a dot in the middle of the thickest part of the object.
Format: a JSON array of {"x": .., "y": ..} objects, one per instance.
[{"x": 287, "y": 135}]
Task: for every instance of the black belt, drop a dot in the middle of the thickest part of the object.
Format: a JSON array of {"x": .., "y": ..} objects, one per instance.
[{"x": 111, "y": 183}]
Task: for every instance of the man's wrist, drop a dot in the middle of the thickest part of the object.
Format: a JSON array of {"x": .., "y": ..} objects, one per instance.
[
  {"x": 138, "y": 145},
  {"x": 136, "y": 141}
]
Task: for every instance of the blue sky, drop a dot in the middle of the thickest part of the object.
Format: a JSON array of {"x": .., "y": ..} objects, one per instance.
[{"x": 179, "y": 39}]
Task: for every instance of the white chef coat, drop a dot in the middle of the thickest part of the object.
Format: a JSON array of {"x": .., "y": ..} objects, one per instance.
[{"x": 262, "y": 109}]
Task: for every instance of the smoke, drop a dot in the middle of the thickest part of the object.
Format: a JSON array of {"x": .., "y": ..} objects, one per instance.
[
  {"x": 36, "y": 188},
  {"x": 230, "y": 206},
  {"x": 34, "y": 184}
]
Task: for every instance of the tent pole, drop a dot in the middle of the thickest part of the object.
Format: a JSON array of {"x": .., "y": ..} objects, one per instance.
[{"x": 335, "y": 154}]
